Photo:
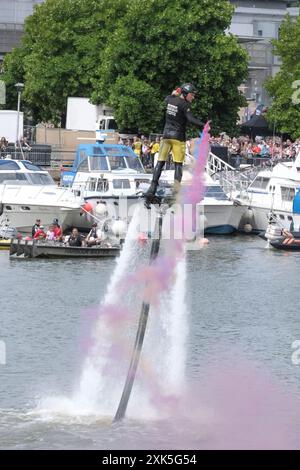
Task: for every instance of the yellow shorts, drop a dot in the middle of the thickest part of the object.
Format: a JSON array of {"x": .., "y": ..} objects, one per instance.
[{"x": 171, "y": 145}]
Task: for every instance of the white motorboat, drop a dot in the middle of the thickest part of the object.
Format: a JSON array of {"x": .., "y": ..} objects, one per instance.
[
  {"x": 272, "y": 190},
  {"x": 221, "y": 215},
  {"x": 108, "y": 177},
  {"x": 28, "y": 193}
]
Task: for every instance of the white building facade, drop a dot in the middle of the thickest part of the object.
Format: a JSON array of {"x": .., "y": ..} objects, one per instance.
[
  {"x": 256, "y": 23},
  {"x": 12, "y": 16}
]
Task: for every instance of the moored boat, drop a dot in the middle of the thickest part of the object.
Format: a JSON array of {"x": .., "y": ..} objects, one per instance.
[
  {"x": 28, "y": 192},
  {"x": 26, "y": 249},
  {"x": 281, "y": 238}
]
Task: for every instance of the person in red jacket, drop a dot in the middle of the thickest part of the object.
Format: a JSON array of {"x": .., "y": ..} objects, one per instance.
[
  {"x": 57, "y": 230},
  {"x": 40, "y": 234}
]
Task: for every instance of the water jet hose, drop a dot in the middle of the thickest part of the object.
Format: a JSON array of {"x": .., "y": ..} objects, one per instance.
[{"x": 141, "y": 329}]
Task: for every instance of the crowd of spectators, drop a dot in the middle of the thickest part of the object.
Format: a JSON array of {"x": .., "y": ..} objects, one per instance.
[
  {"x": 145, "y": 148},
  {"x": 239, "y": 150},
  {"x": 243, "y": 148}
]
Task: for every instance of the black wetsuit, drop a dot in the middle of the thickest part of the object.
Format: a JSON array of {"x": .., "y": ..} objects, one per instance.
[{"x": 178, "y": 114}]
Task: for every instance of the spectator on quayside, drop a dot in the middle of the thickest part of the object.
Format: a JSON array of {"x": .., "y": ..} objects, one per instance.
[
  {"x": 154, "y": 148},
  {"x": 3, "y": 147},
  {"x": 24, "y": 144},
  {"x": 137, "y": 146}
]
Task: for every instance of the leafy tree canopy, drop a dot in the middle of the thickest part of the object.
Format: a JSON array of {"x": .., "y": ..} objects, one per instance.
[
  {"x": 130, "y": 55},
  {"x": 284, "y": 88}
]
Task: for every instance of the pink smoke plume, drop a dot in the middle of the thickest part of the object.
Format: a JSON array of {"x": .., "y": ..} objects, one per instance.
[
  {"x": 195, "y": 191},
  {"x": 154, "y": 279},
  {"x": 237, "y": 406}
]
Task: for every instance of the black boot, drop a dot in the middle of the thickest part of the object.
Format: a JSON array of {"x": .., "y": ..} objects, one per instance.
[
  {"x": 177, "y": 177},
  {"x": 154, "y": 183}
]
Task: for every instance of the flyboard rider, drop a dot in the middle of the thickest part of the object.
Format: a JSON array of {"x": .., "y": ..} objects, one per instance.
[{"x": 178, "y": 115}]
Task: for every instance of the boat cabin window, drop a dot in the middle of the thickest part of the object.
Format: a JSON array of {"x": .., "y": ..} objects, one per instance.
[
  {"x": 260, "y": 182},
  {"x": 121, "y": 184},
  {"x": 102, "y": 185},
  {"x": 83, "y": 165},
  {"x": 91, "y": 184},
  {"x": 216, "y": 192},
  {"x": 98, "y": 163},
  {"x": 135, "y": 164},
  {"x": 117, "y": 163},
  {"x": 97, "y": 184},
  {"x": 8, "y": 165},
  {"x": 31, "y": 166},
  {"x": 39, "y": 178},
  {"x": 287, "y": 194},
  {"x": 11, "y": 177},
  {"x": 139, "y": 181}
]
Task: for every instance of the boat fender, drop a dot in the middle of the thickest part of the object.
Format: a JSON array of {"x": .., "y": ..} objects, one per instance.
[
  {"x": 87, "y": 207},
  {"x": 100, "y": 209},
  {"x": 118, "y": 228},
  {"x": 248, "y": 228}
]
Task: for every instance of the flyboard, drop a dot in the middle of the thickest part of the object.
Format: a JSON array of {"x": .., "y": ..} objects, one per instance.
[{"x": 161, "y": 201}]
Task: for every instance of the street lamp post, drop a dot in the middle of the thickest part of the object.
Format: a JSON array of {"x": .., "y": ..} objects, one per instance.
[{"x": 19, "y": 87}]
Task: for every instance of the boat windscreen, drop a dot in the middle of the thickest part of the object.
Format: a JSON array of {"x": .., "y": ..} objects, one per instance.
[
  {"x": 117, "y": 163},
  {"x": 216, "y": 192},
  {"x": 8, "y": 165},
  {"x": 40, "y": 178},
  {"x": 119, "y": 150},
  {"x": 135, "y": 164},
  {"x": 98, "y": 163},
  {"x": 12, "y": 177},
  {"x": 30, "y": 166}
]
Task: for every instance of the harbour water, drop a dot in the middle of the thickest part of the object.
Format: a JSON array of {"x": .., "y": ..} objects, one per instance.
[{"x": 241, "y": 386}]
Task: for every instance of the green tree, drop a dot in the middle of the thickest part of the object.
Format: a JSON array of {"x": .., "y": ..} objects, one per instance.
[
  {"x": 130, "y": 55},
  {"x": 284, "y": 111},
  {"x": 61, "y": 47},
  {"x": 162, "y": 44}
]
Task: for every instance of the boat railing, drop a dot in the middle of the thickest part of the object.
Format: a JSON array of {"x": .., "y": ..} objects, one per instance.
[
  {"x": 37, "y": 154},
  {"x": 230, "y": 179}
]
